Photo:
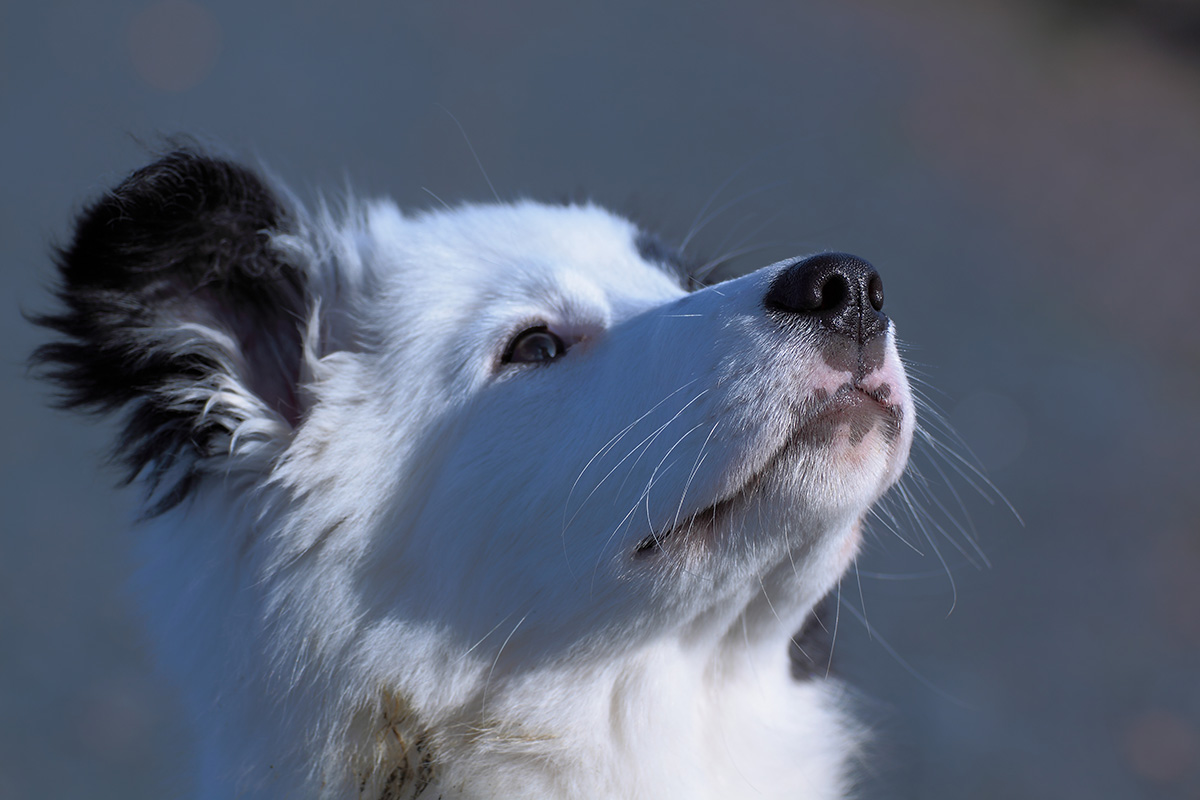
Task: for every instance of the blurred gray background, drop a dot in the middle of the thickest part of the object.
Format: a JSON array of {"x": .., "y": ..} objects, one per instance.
[{"x": 1025, "y": 175}]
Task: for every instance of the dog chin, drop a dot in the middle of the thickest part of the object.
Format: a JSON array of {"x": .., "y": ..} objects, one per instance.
[{"x": 838, "y": 460}]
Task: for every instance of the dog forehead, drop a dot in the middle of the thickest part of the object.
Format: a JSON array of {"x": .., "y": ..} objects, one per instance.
[{"x": 523, "y": 248}]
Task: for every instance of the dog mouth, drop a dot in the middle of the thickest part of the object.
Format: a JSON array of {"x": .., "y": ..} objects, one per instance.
[
  {"x": 852, "y": 411},
  {"x": 701, "y": 522},
  {"x": 852, "y": 408}
]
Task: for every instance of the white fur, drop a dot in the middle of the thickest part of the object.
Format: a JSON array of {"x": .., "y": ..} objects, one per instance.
[{"x": 435, "y": 565}]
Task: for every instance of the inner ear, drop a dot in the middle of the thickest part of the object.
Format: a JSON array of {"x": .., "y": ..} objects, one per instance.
[{"x": 263, "y": 316}]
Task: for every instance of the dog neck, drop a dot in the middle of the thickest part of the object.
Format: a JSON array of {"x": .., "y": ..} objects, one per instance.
[{"x": 649, "y": 725}]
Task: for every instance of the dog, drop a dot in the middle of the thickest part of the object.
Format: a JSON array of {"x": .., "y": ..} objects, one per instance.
[{"x": 489, "y": 501}]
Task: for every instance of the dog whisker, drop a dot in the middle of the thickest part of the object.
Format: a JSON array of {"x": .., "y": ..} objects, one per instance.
[
  {"x": 642, "y": 447},
  {"x": 474, "y": 155},
  {"x": 488, "y": 681},
  {"x": 700, "y": 219},
  {"x": 837, "y": 615},
  {"x": 482, "y": 639},
  {"x": 921, "y": 517},
  {"x": 429, "y": 192},
  {"x": 702, "y": 222},
  {"x": 701, "y": 454},
  {"x": 604, "y": 449},
  {"x": 904, "y": 664},
  {"x": 654, "y": 472},
  {"x": 888, "y": 520}
]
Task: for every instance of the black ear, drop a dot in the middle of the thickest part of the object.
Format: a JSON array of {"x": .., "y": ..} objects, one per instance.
[{"x": 178, "y": 309}]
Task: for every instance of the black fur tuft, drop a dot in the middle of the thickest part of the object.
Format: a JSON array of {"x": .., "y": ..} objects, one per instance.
[
  {"x": 180, "y": 244},
  {"x": 653, "y": 249}
]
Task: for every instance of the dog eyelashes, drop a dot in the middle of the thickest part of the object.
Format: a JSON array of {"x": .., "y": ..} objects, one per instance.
[{"x": 534, "y": 345}]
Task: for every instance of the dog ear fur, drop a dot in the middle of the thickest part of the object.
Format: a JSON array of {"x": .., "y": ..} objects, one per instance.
[{"x": 178, "y": 310}]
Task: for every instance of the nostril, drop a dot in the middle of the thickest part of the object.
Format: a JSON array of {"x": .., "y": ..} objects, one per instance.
[
  {"x": 875, "y": 292},
  {"x": 834, "y": 293}
]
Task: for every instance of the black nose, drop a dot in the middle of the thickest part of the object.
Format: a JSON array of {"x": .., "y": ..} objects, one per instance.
[{"x": 841, "y": 292}]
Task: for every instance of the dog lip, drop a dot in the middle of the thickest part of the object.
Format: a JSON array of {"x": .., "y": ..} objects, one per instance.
[
  {"x": 709, "y": 514},
  {"x": 706, "y": 516},
  {"x": 847, "y": 398},
  {"x": 853, "y": 409},
  {"x": 852, "y": 405}
]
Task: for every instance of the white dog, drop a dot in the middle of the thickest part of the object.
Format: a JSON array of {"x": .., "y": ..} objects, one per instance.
[{"x": 482, "y": 502}]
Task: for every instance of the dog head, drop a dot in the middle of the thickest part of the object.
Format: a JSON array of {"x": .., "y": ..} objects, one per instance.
[
  {"x": 570, "y": 430},
  {"x": 477, "y": 439}
]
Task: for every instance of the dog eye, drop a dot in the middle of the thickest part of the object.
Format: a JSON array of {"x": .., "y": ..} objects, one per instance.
[{"x": 532, "y": 346}]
